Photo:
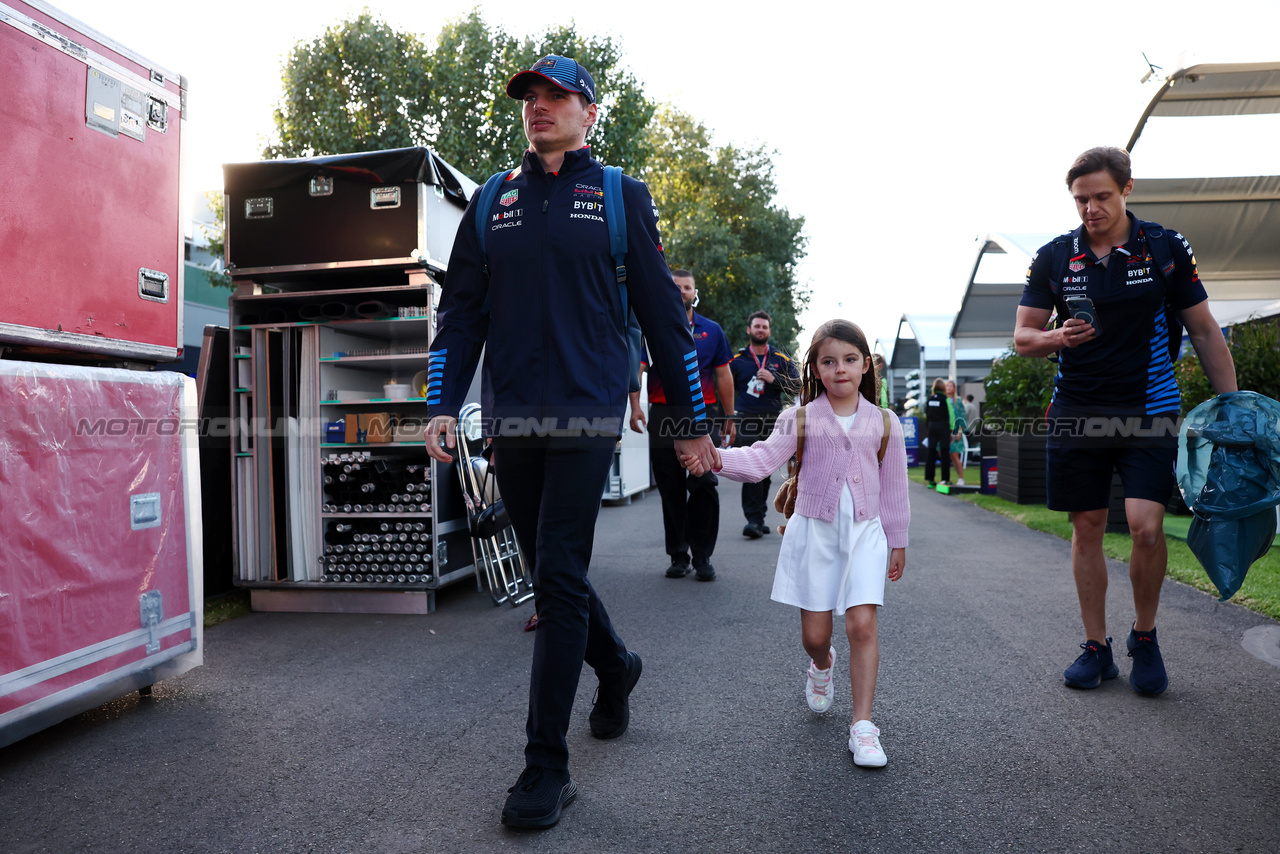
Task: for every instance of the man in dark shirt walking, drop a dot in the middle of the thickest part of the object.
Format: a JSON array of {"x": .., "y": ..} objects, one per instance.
[
  {"x": 761, "y": 375},
  {"x": 1125, "y": 287},
  {"x": 690, "y": 505}
]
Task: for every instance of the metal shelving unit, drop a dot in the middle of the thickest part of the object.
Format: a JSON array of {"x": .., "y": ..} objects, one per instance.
[{"x": 310, "y": 391}]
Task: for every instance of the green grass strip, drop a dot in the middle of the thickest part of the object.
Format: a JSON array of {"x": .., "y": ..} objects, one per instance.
[{"x": 1260, "y": 591}]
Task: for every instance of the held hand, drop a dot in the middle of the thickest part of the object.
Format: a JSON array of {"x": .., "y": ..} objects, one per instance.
[
  {"x": 897, "y": 562},
  {"x": 1076, "y": 332},
  {"x": 637, "y": 420},
  {"x": 441, "y": 425},
  {"x": 692, "y": 464},
  {"x": 765, "y": 375},
  {"x": 702, "y": 448}
]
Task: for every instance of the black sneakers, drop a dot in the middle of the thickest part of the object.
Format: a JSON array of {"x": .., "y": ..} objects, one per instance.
[
  {"x": 1147, "y": 676},
  {"x": 537, "y": 797},
  {"x": 704, "y": 572},
  {"x": 678, "y": 569},
  {"x": 752, "y": 531},
  {"x": 611, "y": 709},
  {"x": 1092, "y": 666}
]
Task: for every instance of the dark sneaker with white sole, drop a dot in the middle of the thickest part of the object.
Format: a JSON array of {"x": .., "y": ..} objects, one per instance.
[
  {"x": 537, "y": 798},
  {"x": 611, "y": 709},
  {"x": 1147, "y": 676},
  {"x": 1092, "y": 666},
  {"x": 678, "y": 569}
]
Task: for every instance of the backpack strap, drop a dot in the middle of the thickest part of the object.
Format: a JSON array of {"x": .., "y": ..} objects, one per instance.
[
  {"x": 615, "y": 217},
  {"x": 1158, "y": 245},
  {"x": 485, "y": 203},
  {"x": 799, "y": 438},
  {"x": 1061, "y": 259},
  {"x": 884, "y": 439},
  {"x": 1162, "y": 259}
]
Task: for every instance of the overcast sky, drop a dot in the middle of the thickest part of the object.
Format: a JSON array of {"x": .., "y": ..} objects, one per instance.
[{"x": 903, "y": 130}]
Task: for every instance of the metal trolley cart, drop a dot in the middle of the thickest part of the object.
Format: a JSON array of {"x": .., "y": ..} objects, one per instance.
[{"x": 493, "y": 541}]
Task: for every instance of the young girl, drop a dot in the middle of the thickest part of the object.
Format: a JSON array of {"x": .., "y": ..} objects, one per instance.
[{"x": 850, "y": 520}]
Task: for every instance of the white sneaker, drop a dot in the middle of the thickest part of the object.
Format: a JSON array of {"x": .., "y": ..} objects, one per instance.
[
  {"x": 817, "y": 685},
  {"x": 960, "y": 482},
  {"x": 864, "y": 742}
]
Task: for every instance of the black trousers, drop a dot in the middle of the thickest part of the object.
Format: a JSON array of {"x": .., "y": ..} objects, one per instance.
[
  {"x": 939, "y": 445},
  {"x": 755, "y": 496},
  {"x": 552, "y": 489},
  {"x": 690, "y": 505}
]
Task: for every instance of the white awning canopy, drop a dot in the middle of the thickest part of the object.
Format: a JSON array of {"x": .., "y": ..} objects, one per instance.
[
  {"x": 1215, "y": 89},
  {"x": 986, "y": 317},
  {"x": 1232, "y": 223}
]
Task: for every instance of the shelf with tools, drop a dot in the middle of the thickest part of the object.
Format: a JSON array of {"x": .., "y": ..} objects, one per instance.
[{"x": 334, "y": 491}]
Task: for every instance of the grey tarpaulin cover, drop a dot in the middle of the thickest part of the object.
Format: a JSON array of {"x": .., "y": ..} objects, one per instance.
[{"x": 1229, "y": 474}]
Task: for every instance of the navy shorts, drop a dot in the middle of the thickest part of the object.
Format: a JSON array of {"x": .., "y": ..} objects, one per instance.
[{"x": 1082, "y": 452}]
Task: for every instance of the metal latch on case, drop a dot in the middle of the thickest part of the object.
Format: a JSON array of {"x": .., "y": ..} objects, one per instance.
[
  {"x": 261, "y": 208},
  {"x": 157, "y": 114},
  {"x": 151, "y": 615},
  {"x": 382, "y": 198},
  {"x": 153, "y": 285},
  {"x": 321, "y": 185}
]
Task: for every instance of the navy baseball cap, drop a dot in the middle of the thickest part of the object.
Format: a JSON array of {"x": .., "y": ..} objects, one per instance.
[{"x": 560, "y": 70}]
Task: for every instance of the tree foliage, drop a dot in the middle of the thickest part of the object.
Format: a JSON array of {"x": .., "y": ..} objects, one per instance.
[
  {"x": 1018, "y": 386},
  {"x": 216, "y": 235},
  {"x": 364, "y": 86},
  {"x": 721, "y": 223},
  {"x": 1255, "y": 349},
  {"x": 361, "y": 86},
  {"x": 476, "y": 126}
]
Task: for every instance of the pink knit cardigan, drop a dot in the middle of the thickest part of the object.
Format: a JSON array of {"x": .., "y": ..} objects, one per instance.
[{"x": 832, "y": 460}]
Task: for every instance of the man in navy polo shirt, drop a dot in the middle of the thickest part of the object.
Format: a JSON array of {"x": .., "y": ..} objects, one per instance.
[
  {"x": 761, "y": 374},
  {"x": 544, "y": 302},
  {"x": 1115, "y": 369},
  {"x": 690, "y": 505}
]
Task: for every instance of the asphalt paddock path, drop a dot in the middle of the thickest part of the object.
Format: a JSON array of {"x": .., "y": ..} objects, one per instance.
[{"x": 354, "y": 733}]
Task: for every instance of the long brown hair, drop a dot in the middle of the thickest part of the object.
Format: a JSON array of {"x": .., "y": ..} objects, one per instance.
[{"x": 840, "y": 330}]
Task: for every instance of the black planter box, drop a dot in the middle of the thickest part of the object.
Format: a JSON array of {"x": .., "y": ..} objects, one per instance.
[{"x": 1021, "y": 466}]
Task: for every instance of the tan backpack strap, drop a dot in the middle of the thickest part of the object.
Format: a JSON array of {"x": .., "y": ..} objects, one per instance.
[
  {"x": 884, "y": 440},
  {"x": 799, "y": 436}
]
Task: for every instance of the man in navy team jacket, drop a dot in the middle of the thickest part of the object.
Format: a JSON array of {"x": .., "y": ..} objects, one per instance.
[{"x": 554, "y": 392}]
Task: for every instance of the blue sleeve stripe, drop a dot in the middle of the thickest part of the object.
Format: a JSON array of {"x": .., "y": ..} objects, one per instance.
[
  {"x": 434, "y": 353},
  {"x": 687, "y": 356},
  {"x": 699, "y": 418},
  {"x": 700, "y": 407},
  {"x": 695, "y": 386},
  {"x": 692, "y": 376}
]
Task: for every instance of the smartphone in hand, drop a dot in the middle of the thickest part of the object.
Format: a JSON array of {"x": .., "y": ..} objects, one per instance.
[{"x": 1082, "y": 308}]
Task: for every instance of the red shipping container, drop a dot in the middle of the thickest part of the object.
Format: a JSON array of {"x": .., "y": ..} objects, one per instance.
[
  {"x": 91, "y": 237},
  {"x": 101, "y": 573}
]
